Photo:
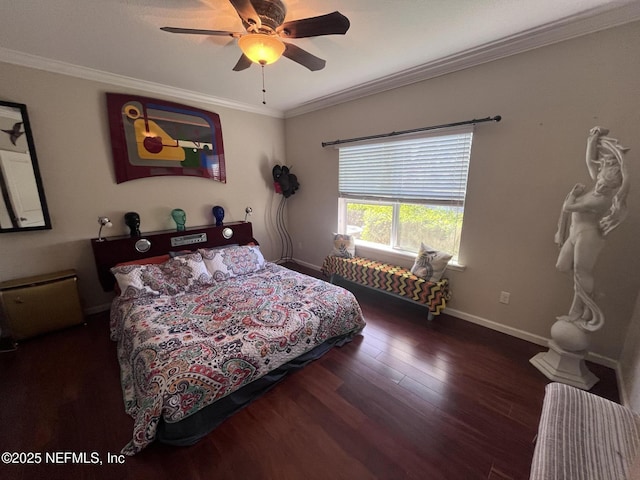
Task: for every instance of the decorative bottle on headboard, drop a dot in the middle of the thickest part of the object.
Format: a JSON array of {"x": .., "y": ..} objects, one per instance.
[
  {"x": 218, "y": 214},
  {"x": 180, "y": 217},
  {"x": 132, "y": 219}
]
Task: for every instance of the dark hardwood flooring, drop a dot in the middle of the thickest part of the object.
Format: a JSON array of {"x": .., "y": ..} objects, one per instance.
[{"x": 407, "y": 399}]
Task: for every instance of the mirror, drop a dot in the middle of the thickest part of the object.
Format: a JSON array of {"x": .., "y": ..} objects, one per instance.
[{"x": 23, "y": 205}]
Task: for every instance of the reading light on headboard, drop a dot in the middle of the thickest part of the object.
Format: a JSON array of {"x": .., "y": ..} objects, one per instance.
[
  {"x": 247, "y": 211},
  {"x": 104, "y": 222}
]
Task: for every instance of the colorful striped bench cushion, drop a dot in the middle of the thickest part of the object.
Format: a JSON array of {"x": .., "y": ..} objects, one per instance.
[
  {"x": 584, "y": 437},
  {"x": 390, "y": 278}
]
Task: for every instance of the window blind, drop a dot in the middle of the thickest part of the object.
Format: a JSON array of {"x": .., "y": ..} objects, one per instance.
[{"x": 429, "y": 169}]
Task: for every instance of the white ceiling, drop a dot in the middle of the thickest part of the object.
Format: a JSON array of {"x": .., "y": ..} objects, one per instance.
[{"x": 390, "y": 43}]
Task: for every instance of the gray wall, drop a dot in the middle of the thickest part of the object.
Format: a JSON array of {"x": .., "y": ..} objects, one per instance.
[
  {"x": 521, "y": 170},
  {"x": 69, "y": 123}
]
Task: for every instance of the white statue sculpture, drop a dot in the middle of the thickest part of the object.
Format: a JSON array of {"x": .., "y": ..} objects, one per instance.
[
  {"x": 587, "y": 217},
  {"x": 593, "y": 214}
]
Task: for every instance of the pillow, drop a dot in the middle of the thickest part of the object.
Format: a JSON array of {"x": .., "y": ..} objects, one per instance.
[
  {"x": 176, "y": 275},
  {"x": 430, "y": 263},
  {"x": 129, "y": 283},
  {"x": 141, "y": 261},
  {"x": 343, "y": 246},
  {"x": 209, "y": 253},
  {"x": 226, "y": 263}
]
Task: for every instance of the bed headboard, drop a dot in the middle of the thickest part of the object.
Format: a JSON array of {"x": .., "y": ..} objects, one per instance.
[{"x": 113, "y": 250}]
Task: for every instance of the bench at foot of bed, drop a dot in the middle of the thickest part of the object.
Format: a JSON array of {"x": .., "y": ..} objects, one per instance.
[{"x": 390, "y": 279}]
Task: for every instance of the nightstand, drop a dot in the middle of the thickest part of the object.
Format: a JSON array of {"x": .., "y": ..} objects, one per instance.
[{"x": 41, "y": 304}]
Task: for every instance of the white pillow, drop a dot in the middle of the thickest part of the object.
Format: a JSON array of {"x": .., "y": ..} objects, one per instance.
[
  {"x": 176, "y": 275},
  {"x": 130, "y": 281},
  {"x": 343, "y": 246},
  {"x": 430, "y": 264},
  {"x": 232, "y": 261}
]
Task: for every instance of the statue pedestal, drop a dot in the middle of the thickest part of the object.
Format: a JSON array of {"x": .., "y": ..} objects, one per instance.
[{"x": 564, "y": 366}]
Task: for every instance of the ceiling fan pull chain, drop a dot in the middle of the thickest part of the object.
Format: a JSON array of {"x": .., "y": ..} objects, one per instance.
[{"x": 264, "y": 102}]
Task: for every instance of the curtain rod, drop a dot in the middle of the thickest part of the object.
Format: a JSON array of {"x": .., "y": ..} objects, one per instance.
[{"x": 497, "y": 118}]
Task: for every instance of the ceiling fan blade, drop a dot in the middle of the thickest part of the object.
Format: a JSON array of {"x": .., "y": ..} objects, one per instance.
[
  {"x": 303, "y": 57},
  {"x": 243, "y": 63},
  {"x": 247, "y": 12},
  {"x": 197, "y": 31},
  {"x": 330, "y": 24}
]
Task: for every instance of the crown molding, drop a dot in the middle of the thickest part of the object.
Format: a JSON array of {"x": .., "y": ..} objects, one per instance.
[
  {"x": 40, "y": 63},
  {"x": 590, "y": 21},
  {"x": 608, "y": 16}
]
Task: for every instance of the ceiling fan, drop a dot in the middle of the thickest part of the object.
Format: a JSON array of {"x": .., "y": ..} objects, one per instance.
[{"x": 263, "y": 42}]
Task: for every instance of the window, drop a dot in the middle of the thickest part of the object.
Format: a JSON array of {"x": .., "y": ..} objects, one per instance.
[{"x": 396, "y": 194}]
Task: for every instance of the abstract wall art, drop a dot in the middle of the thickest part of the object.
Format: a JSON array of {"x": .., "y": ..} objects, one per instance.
[{"x": 152, "y": 137}]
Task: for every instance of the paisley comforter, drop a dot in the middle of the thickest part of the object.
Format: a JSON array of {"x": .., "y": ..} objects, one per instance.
[{"x": 180, "y": 353}]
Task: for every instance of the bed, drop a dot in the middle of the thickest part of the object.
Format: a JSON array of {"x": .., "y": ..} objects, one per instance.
[{"x": 204, "y": 333}]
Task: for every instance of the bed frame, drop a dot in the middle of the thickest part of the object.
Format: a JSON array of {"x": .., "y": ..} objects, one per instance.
[{"x": 113, "y": 250}]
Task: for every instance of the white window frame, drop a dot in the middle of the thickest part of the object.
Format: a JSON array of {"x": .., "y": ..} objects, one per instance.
[{"x": 395, "y": 203}]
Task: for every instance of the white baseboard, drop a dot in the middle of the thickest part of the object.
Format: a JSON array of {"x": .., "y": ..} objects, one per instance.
[
  {"x": 523, "y": 335},
  {"x": 308, "y": 265},
  {"x": 622, "y": 389},
  {"x": 514, "y": 332}
]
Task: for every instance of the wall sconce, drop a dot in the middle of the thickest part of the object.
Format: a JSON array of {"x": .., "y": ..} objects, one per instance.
[
  {"x": 104, "y": 222},
  {"x": 247, "y": 211}
]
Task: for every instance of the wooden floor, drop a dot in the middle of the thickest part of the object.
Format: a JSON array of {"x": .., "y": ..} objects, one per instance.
[{"x": 407, "y": 399}]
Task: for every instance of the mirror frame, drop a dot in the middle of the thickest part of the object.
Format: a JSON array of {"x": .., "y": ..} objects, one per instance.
[{"x": 36, "y": 171}]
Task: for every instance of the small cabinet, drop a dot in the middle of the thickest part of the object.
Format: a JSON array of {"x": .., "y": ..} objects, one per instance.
[{"x": 41, "y": 304}]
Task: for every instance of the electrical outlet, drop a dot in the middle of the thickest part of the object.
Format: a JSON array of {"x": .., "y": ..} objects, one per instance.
[{"x": 504, "y": 297}]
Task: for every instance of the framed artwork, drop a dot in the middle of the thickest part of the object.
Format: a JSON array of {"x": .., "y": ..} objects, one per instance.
[{"x": 152, "y": 137}]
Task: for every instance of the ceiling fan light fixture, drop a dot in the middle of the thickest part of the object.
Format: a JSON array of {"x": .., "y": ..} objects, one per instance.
[{"x": 261, "y": 48}]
